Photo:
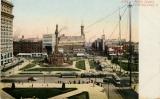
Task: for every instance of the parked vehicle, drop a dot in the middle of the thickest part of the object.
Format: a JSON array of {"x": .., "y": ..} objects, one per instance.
[
  {"x": 68, "y": 74},
  {"x": 31, "y": 79}
]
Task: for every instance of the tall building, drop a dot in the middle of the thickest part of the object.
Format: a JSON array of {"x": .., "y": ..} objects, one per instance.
[
  {"x": 6, "y": 35},
  {"x": 48, "y": 43}
]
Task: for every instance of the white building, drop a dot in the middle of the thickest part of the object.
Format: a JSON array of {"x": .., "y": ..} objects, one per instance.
[
  {"x": 48, "y": 40},
  {"x": 6, "y": 35}
]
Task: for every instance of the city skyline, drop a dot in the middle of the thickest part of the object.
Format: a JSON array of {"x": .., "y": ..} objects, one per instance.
[{"x": 33, "y": 19}]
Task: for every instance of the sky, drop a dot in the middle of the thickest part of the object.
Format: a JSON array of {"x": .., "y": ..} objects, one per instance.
[{"x": 33, "y": 18}]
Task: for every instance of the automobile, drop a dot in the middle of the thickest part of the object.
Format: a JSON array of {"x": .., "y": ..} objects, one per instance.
[
  {"x": 107, "y": 79},
  {"x": 125, "y": 81},
  {"x": 58, "y": 75},
  {"x": 31, "y": 79}
]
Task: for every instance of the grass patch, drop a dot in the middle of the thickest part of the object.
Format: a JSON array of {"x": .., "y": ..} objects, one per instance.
[
  {"x": 53, "y": 69},
  {"x": 28, "y": 66},
  {"x": 80, "y": 64},
  {"x": 92, "y": 64},
  {"x": 83, "y": 95},
  {"x": 124, "y": 65},
  {"x": 30, "y": 73},
  {"x": 40, "y": 93}
]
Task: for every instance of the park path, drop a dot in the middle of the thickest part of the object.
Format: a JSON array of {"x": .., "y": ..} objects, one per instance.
[
  {"x": 74, "y": 64},
  {"x": 87, "y": 65},
  {"x": 16, "y": 70}
]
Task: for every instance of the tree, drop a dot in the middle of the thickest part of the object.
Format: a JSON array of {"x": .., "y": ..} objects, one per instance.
[{"x": 115, "y": 60}]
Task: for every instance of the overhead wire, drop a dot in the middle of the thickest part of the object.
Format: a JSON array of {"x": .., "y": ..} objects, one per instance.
[{"x": 108, "y": 15}]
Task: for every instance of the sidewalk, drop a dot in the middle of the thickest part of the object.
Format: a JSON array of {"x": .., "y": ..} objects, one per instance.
[
  {"x": 87, "y": 65},
  {"x": 95, "y": 92},
  {"x": 15, "y": 70}
]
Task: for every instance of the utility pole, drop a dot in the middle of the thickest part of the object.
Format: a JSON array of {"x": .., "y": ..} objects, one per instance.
[
  {"x": 119, "y": 27},
  {"x": 119, "y": 39},
  {"x": 130, "y": 43}
]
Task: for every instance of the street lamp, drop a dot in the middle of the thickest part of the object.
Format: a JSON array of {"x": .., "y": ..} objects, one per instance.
[
  {"x": 108, "y": 81},
  {"x": 44, "y": 77}
]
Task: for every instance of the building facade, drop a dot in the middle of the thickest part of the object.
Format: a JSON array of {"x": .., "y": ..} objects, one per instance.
[
  {"x": 6, "y": 41},
  {"x": 48, "y": 43},
  {"x": 27, "y": 48},
  {"x": 66, "y": 44},
  {"x": 72, "y": 44}
]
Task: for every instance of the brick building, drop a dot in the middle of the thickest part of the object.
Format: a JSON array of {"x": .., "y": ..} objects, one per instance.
[{"x": 26, "y": 47}]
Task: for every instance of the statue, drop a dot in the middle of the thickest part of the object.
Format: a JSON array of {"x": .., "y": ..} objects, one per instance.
[{"x": 56, "y": 58}]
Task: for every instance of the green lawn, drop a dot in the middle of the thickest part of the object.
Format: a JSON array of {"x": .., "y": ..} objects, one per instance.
[
  {"x": 52, "y": 69},
  {"x": 83, "y": 95},
  {"x": 40, "y": 93},
  {"x": 124, "y": 65},
  {"x": 80, "y": 64},
  {"x": 30, "y": 73},
  {"x": 28, "y": 66},
  {"x": 92, "y": 64}
]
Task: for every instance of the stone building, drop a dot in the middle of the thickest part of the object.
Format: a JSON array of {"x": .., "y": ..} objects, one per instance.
[
  {"x": 6, "y": 35},
  {"x": 72, "y": 44},
  {"x": 48, "y": 43}
]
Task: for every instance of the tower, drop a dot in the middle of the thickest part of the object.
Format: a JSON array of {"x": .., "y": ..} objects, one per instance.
[
  {"x": 56, "y": 57},
  {"x": 82, "y": 31},
  {"x": 56, "y": 45}
]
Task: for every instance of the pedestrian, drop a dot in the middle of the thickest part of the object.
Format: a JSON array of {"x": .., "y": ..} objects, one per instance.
[
  {"x": 79, "y": 82},
  {"x": 74, "y": 82}
]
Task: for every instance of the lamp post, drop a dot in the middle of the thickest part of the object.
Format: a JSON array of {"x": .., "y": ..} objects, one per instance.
[
  {"x": 44, "y": 77},
  {"x": 130, "y": 43},
  {"x": 108, "y": 81}
]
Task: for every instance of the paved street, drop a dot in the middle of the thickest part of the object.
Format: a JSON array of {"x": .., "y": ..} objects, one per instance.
[
  {"x": 119, "y": 93},
  {"x": 114, "y": 92}
]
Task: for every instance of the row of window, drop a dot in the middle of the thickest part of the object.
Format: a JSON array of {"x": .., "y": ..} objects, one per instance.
[
  {"x": 6, "y": 61},
  {"x": 8, "y": 55},
  {"x": 7, "y": 29},
  {"x": 6, "y": 40},
  {"x": 6, "y": 36},
  {"x": 6, "y": 19},
  {"x": 6, "y": 50},
  {"x": 6, "y": 25},
  {"x": 6, "y": 22},
  {"x": 6, "y": 9},
  {"x": 6, "y": 33}
]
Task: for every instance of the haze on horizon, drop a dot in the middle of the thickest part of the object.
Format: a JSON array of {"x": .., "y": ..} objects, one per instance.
[{"x": 34, "y": 18}]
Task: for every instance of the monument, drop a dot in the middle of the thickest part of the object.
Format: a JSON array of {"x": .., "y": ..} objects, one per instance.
[{"x": 56, "y": 58}]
